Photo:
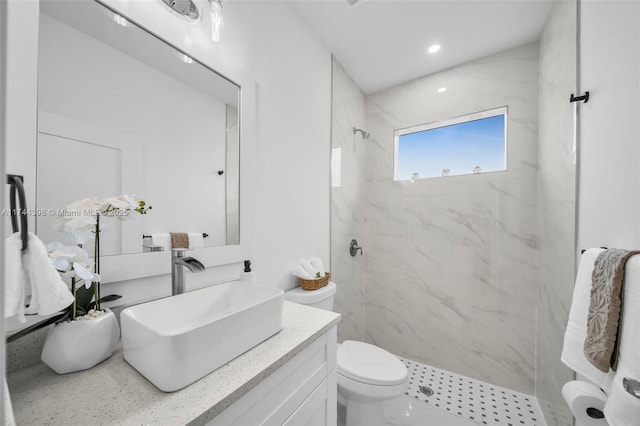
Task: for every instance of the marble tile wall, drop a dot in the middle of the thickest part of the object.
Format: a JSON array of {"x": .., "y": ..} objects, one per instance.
[
  {"x": 556, "y": 205},
  {"x": 347, "y": 202},
  {"x": 452, "y": 263}
]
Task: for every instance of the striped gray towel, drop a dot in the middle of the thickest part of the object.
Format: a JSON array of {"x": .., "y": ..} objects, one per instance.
[{"x": 605, "y": 308}]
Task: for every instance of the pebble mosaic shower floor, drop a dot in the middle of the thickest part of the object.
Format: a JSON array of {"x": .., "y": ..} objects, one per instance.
[{"x": 478, "y": 401}]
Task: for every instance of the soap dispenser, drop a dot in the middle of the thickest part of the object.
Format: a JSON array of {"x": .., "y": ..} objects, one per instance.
[{"x": 248, "y": 275}]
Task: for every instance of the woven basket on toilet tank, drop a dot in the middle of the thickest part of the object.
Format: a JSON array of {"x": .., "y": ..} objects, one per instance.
[{"x": 315, "y": 283}]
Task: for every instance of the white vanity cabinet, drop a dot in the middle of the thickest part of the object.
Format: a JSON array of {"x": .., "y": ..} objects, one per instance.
[
  {"x": 289, "y": 379},
  {"x": 301, "y": 392}
]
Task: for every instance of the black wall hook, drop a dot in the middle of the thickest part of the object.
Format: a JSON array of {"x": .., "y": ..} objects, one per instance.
[
  {"x": 15, "y": 182},
  {"x": 584, "y": 98}
]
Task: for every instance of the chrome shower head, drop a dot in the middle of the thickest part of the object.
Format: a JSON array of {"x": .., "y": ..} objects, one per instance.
[{"x": 365, "y": 135}]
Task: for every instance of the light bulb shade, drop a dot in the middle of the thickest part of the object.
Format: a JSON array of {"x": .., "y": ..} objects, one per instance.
[{"x": 213, "y": 20}]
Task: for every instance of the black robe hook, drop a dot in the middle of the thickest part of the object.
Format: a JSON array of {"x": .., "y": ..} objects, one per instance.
[{"x": 16, "y": 187}]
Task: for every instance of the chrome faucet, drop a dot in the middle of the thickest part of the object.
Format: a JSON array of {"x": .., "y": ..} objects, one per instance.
[{"x": 178, "y": 263}]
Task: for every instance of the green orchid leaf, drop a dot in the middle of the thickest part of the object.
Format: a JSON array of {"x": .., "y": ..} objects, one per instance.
[
  {"x": 110, "y": 298},
  {"x": 84, "y": 297},
  {"x": 44, "y": 323}
]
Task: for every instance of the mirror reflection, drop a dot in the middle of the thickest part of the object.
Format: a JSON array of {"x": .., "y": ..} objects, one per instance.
[{"x": 122, "y": 112}]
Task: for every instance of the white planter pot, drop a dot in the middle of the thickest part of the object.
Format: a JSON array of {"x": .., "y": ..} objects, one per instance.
[{"x": 78, "y": 345}]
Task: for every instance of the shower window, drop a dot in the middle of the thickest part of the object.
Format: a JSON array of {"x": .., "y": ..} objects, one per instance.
[{"x": 471, "y": 144}]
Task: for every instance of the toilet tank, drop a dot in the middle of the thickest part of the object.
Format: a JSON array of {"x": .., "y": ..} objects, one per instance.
[{"x": 321, "y": 298}]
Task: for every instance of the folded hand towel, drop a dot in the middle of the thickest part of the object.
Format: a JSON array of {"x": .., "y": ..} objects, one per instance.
[
  {"x": 600, "y": 345},
  {"x": 179, "y": 240},
  {"x": 49, "y": 293},
  {"x": 576, "y": 332},
  {"x": 163, "y": 240},
  {"x": 196, "y": 240},
  {"x": 301, "y": 273},
  {"x": 316, "y": 262},
  {"x": 14, "y": 278},
  {"x": 306, "y": 265},
  {"x": 622, "y": 409}
]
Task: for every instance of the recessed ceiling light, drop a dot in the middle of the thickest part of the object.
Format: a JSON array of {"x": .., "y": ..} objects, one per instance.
[
  {"x": 434, "y": 48},
  {"x": 442, "y": 90}
]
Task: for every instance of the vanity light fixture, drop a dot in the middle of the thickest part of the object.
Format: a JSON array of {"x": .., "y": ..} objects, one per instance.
[
  {"x": 434, "y": 48},
  {"x": 213, "y": 20}
]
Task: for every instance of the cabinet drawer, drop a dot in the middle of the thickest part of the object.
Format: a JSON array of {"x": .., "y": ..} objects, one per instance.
[
  {"x": 273, "y": 400},
  {"x": 319, "y": 409}
]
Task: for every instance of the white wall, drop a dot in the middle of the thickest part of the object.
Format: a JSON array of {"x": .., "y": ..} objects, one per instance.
[
  {"x": 4, "y": 404},
  {"x": 609, "y": 185},
  {"x": 266, "y": 42},
  {"x": 609, "y": 125}
]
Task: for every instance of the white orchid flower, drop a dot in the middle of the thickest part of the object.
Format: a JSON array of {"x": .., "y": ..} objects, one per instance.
[
  {"x": 61, "y": 264},
  {"x": 78, "y": 224},
  {"x": 81, "y": 236},
  {"x": 85, "y": 275},
  {"x": 72, "y": 261},
  {"x": 122, "y": 202}
]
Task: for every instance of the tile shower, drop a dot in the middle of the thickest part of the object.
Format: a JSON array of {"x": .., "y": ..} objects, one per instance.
[{"x": 452, "y": 271}]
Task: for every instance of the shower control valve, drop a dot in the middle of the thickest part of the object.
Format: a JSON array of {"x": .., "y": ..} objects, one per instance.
[{"x": 354, "y": 247}]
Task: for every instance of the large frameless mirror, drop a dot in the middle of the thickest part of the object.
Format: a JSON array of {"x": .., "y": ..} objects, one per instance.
[{"x": 122, "y": 112}]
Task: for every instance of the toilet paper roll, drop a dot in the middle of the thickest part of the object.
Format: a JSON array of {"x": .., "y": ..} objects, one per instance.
[{"x": 582, "y": 398}]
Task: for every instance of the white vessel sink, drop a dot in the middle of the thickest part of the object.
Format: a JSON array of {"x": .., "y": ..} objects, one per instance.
[{"x": 177, "y": 340}]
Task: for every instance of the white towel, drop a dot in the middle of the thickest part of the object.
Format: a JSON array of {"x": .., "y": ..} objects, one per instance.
[
  {"x": 622, "y": 409},
  {"x": 301, "y": 273},
  {"x": 49, "y": 293},
  {"x": 163, "y": 240},
  {"x": 14, "y": 280},
  {"x": 316, "y": 262},
  {"x": 306, "y": 265},
  {"x": 196, "y": 240},
  {"x": 576, "y": 332},
  {"x": 32, "y": 271}
]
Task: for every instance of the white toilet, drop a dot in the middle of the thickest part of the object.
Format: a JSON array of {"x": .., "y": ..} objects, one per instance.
[{"x": 367, "y": 375}]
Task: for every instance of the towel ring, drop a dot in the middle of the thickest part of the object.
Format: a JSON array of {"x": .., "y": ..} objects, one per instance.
[{"x": 16, "y": 186}]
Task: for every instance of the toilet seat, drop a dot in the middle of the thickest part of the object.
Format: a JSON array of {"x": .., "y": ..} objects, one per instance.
[{"x": 369, "y": 364}]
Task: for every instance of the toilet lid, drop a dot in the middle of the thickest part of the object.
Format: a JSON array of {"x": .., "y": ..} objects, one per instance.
[{"x": 370, "y": 364}]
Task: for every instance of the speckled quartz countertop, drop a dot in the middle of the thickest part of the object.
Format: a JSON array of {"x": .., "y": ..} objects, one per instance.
[{"x": 114, "y": 393}]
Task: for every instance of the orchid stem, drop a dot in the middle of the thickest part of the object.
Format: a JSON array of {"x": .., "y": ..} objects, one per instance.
[
  {"x": 73, "y": 290},
  {"x": 96, "y": 263}
]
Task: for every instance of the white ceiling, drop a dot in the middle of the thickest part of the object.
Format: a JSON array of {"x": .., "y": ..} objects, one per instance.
[{"x": 382, "y": 43}]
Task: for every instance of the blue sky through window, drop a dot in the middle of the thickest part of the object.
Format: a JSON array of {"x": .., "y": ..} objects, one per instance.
[{"x": 457, "y": 147}]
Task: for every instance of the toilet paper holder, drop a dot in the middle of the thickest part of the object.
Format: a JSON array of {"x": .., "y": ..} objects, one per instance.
[{"x": 631, "y": 386}]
